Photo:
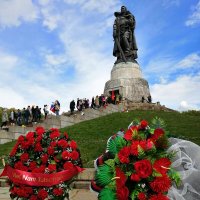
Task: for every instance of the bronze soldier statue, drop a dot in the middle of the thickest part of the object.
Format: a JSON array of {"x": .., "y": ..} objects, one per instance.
[{"x": 125, "y": 47}]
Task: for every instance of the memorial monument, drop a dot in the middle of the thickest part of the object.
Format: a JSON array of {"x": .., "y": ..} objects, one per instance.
[{"x": 126, "y": 75}]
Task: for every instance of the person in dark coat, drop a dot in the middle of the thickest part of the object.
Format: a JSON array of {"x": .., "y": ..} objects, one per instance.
[{"x": 72, "y": 106}]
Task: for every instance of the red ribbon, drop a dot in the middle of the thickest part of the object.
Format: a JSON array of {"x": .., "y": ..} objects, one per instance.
[{"x": 39, "y": 179}]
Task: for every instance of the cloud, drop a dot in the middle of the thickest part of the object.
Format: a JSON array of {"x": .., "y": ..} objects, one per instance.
[
  {"x": 7, "y": 62},
  {"x": 13, "y": 12},
  {"x": 184, "y": 106},
  {"x": 11, "y": 98},
  {"x": 160, "y": 68},
  {"x": 51, "y": 16},
  {"x": 194, "y": 18},
  {"x": 166, "y": 68},
  {"x": 100, "y": 6},
  {"x": 192, "y": 60},
  {"x": 183, "y": 89}
]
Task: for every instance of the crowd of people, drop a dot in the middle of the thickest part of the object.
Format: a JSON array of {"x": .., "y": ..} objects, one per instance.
[
  {"x": 33, "y": 114},
  {"x": 95, "y": 103}
]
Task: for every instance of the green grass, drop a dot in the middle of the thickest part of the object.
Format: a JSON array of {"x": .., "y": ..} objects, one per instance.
[{"x": 91, "y": 136}]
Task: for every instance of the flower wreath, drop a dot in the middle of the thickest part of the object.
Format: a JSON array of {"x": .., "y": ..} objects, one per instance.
[
  {"x": 136, "y": 165},
  {"x": 42, "y": 165}
]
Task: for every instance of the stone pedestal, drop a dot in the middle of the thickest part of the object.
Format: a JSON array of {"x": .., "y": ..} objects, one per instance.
[{"x": 127, "y": 79}]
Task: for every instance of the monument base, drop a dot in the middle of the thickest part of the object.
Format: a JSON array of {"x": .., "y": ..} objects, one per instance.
[{"x": 126, "y": 80}]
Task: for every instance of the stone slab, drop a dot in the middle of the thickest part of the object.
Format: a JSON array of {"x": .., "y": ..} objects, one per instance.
[{"x": 76, "y": 194}]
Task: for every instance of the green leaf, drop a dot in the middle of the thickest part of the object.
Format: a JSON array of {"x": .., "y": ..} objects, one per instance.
[
  {"x": 114, "y": 145},
  {"x": 111, "y": 163},
  {"x": 156, "y": 174},
  {"x": 104, "y": 175},
  {"x": 141, "y": 152},
  {"x": 18, "y": 154},
  {"x": 107, "y": 194},
  {"x": 151, "y": 130},
  {"x": 134, "y": 195},
  {"x": 59, "y": 156},
  {"x": 128, "y": 173},
  {"x": 39, "y": 161},
  {"x": 53, "y": 162},
  {"x": 158, "y": 123},
  {"x": 116, "y": 159},
  {"x": 174, "y": 175}
]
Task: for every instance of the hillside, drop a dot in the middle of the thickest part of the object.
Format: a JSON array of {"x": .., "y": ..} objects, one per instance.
[{"x": 92, "y": 135}]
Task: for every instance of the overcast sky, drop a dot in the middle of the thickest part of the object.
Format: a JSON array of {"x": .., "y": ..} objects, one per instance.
[{"x": 62, "y": 49}]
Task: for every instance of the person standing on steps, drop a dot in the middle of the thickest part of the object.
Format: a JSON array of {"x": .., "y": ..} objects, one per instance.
[
  {"x": 72, "y": 106},
  {"x": 46, "y": 112},
  {"x": 57, "y": 107},
  {"x": 4, "y": 118}
]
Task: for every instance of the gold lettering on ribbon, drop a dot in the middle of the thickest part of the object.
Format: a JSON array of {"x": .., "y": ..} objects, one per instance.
[{"x": 28, "y": 178}]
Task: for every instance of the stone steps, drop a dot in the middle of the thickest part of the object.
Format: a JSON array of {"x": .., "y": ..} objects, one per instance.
[
  {"x": 57, "y": 122},
  {"x": 64, "y": 121}
]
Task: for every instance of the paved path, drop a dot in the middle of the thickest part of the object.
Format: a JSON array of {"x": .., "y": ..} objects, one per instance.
[{"x": 76, "y": 194}]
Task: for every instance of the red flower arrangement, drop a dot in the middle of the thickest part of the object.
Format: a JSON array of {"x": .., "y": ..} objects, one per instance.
[
  {"x": 139, "y": 166},
  {"x": 42, "y": 165}
]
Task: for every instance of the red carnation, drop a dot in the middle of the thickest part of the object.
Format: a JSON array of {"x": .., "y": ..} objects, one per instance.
[
  {"x": 22, "y": 193},
  {"x": 44, "y": 158},
  {"x": 19, "y": 165},
  {"x": 20, "y": 139},
  {"x": 143, "y": 124},
  {"x": 55, "y": 133},
  {"x": 142, "y": 196},
  {"x": 38, "y": 147},
  {"x": 42, "y": 194},
  {"x": 74, "y": 155},
  {"x": 40, "y": 169},
  {"x": 53, "y": 143},
  {"x": 52, "y": 167},
  {"x": 39, "y": 138},
  {"x": 30, "y": 135},
  {"x": 63, "y": 143},
  {"x": 122, "y": 193},
  {"x": 134, "y": 148},
  {"x": 162, "y": 165},
  {"x": 50, "y": 150},
  {"x": 24, "y": 157},
  {"x": 32, "y": 165},
  {"x": 159, "y": 197},
  {"x": 142, "y": 144},
  {"x": 30, "y": 141},
  {"x": 33, "y": 197},
  {"x": 57, "y": 191},
  {"x": 149, "y": 144},
  {"x": 25, "y": 145},
  {"x": 73, "y": 144},
  {"x": 40, "y": 130},
  {"x": 124, "y": 154},
  {"x": 122, "y": 178},
  {"x": 143, "y": 168},
  {"x": 28, "y": 190},
  {"x": 65, "y": 155},
  {"x": 68, "y": 166},
  {"x": 161, "y": 184},
  {"x": 157, "y": 134},
  {"x": 135, "y": 177},
  {"x": 129, "y": 133}
]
